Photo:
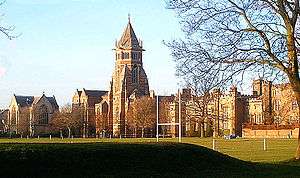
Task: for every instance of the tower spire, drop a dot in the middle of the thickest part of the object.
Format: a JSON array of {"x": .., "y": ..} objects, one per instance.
[{"x": 128, "y": 17}]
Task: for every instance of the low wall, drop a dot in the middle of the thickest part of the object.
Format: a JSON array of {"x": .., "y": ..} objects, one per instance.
[{"x": 276, "y": 133}]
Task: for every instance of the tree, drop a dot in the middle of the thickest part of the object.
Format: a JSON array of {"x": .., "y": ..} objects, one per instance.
[
  {"x": 67, "y": 119},
  {"x": 164, "y": 114},
  {"x": 229, "y": 38},
  {"x": 7, "y": 30},
  {"x": 101, "y": 124},
  {"x": 141, "y": 114}
]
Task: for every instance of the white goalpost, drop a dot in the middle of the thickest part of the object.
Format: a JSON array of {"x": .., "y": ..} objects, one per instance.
[{"x": 168, "y": 124}]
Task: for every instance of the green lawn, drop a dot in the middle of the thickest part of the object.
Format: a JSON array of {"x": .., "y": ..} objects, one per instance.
[
  {"x": 244, "y": 149},
  {"x": 251, "y": 149},
  {"x": 130, "y": 159}
]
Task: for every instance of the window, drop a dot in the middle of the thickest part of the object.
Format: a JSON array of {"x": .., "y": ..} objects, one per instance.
[
  {"x": 43, "y": 115},
  {"x": 134, "y": 56},
  {"x": 277, "y": 120},
  {"x": 276, "y": 105},
  {"x": 13, "y": 116},
  {"x": 135, "y": 74},
  {"x": 294, "y": 104},
  {"x": 126, "y": 55},
  {"x": 225, "y": 125}
]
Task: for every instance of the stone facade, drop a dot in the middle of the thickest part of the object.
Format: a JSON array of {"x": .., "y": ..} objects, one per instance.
[
  {"x": 270, "y": 104},
  {"x": 85, "y": 101},
  {"x": 106, "y": 112},
  {"x": 217, "y": 113},
  {"x": 30, "y": 115},
  {"x": 129, "y": 78},
  {"x": 275, "y": 104}
]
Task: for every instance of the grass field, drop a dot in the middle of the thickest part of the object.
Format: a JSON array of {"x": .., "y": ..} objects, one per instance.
[
  {"x": 92, "y": 157},
  {"x": 244, "y": 149},
  {"x": 130, "y": 159}
]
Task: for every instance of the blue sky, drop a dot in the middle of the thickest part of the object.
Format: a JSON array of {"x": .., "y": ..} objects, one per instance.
[{"x": 67, "y": 44}]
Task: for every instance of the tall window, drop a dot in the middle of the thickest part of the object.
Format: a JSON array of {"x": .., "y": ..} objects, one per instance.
[
  {"x": 135, "y": 74},
  {"x": 122, "y": 55},
  {"x": 43, "y": 115},
  {"x": 13, "y": 117},
  {"x": 134, "y": 55},
  {"x": 126, "y": 55}
]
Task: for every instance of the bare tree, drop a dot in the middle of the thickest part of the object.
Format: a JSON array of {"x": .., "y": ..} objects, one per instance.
[
  {"x": 23, "y": 125},
  {"x": 101, "y": 124},
  {"x": 67, "y": 119},
  {"x": 141, "y": 114},
  {"x": 231, "y": 37},
  {"x": 164, "y": 114},
  {"x": 6, "y": 30}
]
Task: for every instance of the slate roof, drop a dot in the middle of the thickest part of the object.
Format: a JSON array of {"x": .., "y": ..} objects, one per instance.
[
  {"x": 95, "y": 93},
  {"x": 129, "y": 39},
  {"x": 53, "y": 102},
  {"x": 29, "y": 100},
  {"x": 24, "y": 100}
]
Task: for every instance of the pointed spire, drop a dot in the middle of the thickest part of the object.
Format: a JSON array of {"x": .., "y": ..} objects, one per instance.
[{"x": 129, "y": 39}]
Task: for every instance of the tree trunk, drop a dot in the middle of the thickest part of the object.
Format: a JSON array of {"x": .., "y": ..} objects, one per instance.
[
  {"x": 297, "y": 94},
  {"x": 143, "y": 132},
  {"x": 202, "y": 129},
  {"x": 69, "y": 132},
  {"x": 135, "y": 132},
  {"x": 295, "y": 84},
  {"x": 60, "y": 131}
]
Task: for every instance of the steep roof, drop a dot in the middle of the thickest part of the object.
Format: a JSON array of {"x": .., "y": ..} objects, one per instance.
[
  {"x": 129, "y": 39},
  {"x": 95, "y": 93},
  {"x": 53, "y": 102},
  {"x": 24, "y": 100},
  {"x": 29, "y": 100}
]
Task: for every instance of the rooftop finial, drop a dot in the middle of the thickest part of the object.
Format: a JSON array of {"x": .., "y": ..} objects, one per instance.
[{"x": 129, "y": 17}]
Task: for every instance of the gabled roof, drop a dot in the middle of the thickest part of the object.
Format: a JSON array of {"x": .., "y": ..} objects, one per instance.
[
  {"x": 37, "y": 99},
  {"x": 24, "y": 100},
  {"x": 95, "y": 93},
  {"x": 29, "y": 100},
  {"x": 129, "y": 39},
  {"x": 53, "y": 102},
  {"x": 78, "y": 92}
]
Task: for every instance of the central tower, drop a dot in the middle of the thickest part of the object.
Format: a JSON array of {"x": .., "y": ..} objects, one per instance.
[{"x": 129, "y": 79}]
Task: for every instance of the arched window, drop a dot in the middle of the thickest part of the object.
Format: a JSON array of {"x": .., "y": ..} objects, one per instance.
[
  {"x": 135, "y": 74},
  {"x": 13, "y": 116},
  {"x": 43, "y": 115}
]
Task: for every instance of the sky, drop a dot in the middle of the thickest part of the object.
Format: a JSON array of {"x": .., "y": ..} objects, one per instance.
[{"x": 64, "y": 45}]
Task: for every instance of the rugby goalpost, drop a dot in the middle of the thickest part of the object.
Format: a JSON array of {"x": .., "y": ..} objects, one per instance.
[{"x": 169, "y": 124}]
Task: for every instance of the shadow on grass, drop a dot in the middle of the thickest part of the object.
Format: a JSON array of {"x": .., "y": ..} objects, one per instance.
[{"x": 130, "y": 159}]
